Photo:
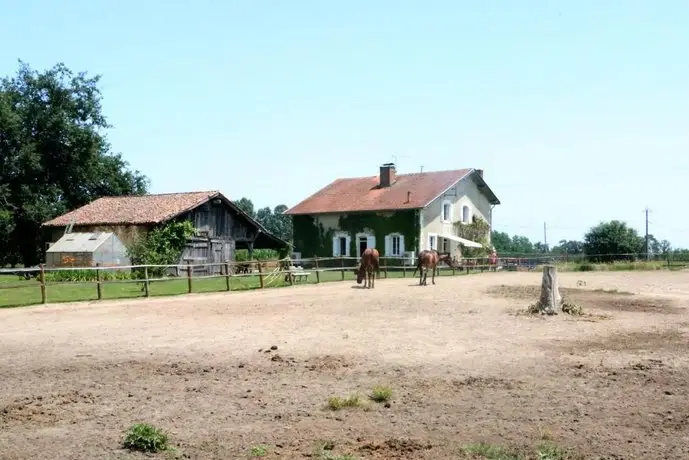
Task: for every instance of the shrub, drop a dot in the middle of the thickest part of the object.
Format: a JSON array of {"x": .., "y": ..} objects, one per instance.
[
  {"x": 161, "y": 246},
  {"x": 337, "y": 403},
  {"x": 145, "y": 438},
  {"x": 381, "y": 394}
]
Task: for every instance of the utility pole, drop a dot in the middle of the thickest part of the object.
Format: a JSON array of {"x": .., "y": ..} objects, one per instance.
[
  {"x": 545, "y": 238},
  {"x": 648, "y": 256}
]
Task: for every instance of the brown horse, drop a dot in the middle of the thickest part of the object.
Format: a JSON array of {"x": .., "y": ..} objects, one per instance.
[
  {"x": 369, "y": 263},
  {"x": 429, "y": 259}
]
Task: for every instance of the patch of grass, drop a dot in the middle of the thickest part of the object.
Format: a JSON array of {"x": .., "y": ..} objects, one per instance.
[
  {"x": 259, "y": 451},
  {"x": 613, "y": 291},
  {"x": 145, "y": 438},
  {"x": 490, "y": 451},
  {"x": 324, "y": 451},
  {"x": 381, "y": 394},
  {"x": 550, "y": 451},
  {"x": 337, "y": 403}
]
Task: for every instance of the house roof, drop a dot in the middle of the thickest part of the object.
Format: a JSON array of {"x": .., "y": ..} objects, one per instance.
[
  {"x": 151, "y": 209},
  {"x": 80, "y": 242},
  {"x": 363, "y": 194},
  {"x": 143, "y": 209}
]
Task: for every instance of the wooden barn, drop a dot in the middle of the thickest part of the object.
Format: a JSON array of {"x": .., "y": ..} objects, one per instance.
[{"x": 221, "y": 226}]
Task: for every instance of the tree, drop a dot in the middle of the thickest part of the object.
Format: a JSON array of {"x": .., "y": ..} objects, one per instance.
[
  {"x": 54, "y": 155},
  {"x": 612, "y": 240},
  {"x": 501, "y": 242},
  {"x": 247, "y": 206},
  {"x": 569, "y": 247}
]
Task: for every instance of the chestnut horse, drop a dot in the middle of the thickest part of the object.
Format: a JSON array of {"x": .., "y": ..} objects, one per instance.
[
  {"x": 369, "y": 263},
  {"x": 429, "y": 259}
]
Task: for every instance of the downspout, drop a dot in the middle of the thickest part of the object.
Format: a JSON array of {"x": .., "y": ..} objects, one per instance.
[{"x": 490, "y": 224}]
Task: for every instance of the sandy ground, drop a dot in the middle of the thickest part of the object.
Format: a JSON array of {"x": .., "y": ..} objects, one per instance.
[{"x": 464, "y": 367}]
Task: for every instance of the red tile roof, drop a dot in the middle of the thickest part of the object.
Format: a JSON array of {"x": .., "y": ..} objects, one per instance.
[
  {"x": 363, "y": 194},
  {"x": 145, "y": 209}
]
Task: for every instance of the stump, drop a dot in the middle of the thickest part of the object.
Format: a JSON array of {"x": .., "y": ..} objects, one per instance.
[{"x": 551, "y": 300}]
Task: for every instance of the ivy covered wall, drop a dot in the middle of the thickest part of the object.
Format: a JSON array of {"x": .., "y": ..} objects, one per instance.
[{"x": 313, "y": 235}]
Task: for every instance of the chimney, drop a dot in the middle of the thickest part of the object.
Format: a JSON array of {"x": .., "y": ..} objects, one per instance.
[
  {"x": 387, "y": 175},
  {"x": 480, "y": 172},
  {"x": 408, "y": 197}
]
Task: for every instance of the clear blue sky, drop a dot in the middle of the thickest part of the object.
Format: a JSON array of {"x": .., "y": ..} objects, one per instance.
[{"x": 578, "y": 111}]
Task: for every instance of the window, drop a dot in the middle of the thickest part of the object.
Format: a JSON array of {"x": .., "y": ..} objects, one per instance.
[
  {"x": 394, "y": 245},
  {"x": 432, "y": 241},
  {"x": 446, "y": 245},
  {"x": 341, "y": 241},
  {"x": 466, "y": 214},
  {"x": 447, "y": 211}
]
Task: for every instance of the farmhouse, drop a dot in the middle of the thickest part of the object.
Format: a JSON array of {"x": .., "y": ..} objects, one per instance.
[
  {"x": 397, "y": 214},
  {"x": 221, "y": 227}
]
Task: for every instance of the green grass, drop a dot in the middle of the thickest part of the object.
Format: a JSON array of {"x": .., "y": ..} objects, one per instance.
[
  {"x": 15, "y": 292},
  {"x": 337, "y": 403},
  {"x": 145, "y": 438},
  {"x": 545, "y": 450},
  {"x": 381, "y": 394},
  {"x": 259, "y": 451}
]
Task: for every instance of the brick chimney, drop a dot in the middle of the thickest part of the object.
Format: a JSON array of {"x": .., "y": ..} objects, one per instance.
[{"x": 387, "y": 175}]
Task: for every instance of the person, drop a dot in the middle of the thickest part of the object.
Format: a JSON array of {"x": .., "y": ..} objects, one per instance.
[{"x": 493, "y": 258}]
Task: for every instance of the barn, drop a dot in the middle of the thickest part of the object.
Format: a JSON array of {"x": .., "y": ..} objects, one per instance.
[
  {"x": 221, "y": 226},
  {"x": 86, "y": 250}
]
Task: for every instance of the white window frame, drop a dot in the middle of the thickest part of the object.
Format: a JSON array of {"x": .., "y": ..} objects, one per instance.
[
  {"x": 443, "y": 218},
  {"x": 435, "y": 239},
  {"x": 390, "y": 246},
  {"x": 466, "y": 214},
  {"x": 348, "y": 243},
  {"x": 370, "y": 241}
]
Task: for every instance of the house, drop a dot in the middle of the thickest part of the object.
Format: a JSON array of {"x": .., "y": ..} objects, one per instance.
[
  {"x": 87, "y": 250},
  {"x": 399, "y": 214},
  {"x": 221, "y": 227}
]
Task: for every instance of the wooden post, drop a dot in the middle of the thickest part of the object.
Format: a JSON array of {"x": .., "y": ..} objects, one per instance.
[
  {"x": 227, "y": 275},
  {"x": 342, "y": 265},
  {"x": 404, "y": 268},
  {"x": 291, "y": 277},
  {"x": 385, "y": 266},
  {"x": 99, "y": 289},
  {"x": 550, "y": 300},
  {"x": 318, "y": 273},
  {"x": 189, "y": 277},
  {"x": 260, "y": 275},
  {"x": 146, "y": 283},
  {"x": 42, "y": 275}
]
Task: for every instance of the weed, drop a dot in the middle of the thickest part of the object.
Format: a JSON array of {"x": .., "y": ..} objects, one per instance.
[
  {"x": 490, "y": 451},
  {"x": 324, "y": 451},
  {"x": 550, "y": 451},
  {"x": 381, "y": 394},
  {"x": 259, "y": 451},
  {"x": 337, "y": 403},
  {"x": 146, "y": 438}
]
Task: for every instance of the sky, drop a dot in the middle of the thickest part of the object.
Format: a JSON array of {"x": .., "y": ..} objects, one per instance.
[{"x": 577, "y": 111}]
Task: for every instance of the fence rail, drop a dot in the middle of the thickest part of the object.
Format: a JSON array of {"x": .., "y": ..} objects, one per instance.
[{"x": 138, "y": 280}]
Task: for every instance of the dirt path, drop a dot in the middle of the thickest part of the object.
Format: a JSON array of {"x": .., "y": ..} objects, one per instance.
[{"x": 463, "y": 368}]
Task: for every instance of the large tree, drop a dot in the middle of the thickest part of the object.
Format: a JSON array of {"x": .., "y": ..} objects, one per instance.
[
  {"x": 612, "y": 240},
  {"x": 54, "y": 155},
  {"x": 273, "y": 220}
]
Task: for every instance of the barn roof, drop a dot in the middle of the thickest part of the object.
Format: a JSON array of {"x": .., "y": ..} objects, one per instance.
[
  {"x": 123, "y": 210},
  {"x": 408, "y": 191},
  {"x": 80, "y": 242}
]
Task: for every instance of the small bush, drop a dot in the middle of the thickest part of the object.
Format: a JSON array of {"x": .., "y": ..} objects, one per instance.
[
  {"x": 381, "y": 394},
  {"x": 337, "y": 403},
  {"x": 259, "y": 451},
  {"x": 145, "y": 438},
  {"x": 77, "y": 275}
]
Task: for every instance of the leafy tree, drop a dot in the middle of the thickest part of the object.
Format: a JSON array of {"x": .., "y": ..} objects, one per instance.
[
  {"x": 607, "y": 241},
  {"x": 570, "y": 247},
  {"x": 521, "y": 245},
  {"x": 162, "y": 245},
  {"x": 247, "y": 206},
  {"x": 54, "y": 155},
  {"x": 501, "y": 241}
]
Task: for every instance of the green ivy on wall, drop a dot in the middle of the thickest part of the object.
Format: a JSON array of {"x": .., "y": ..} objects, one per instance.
[
  {"x": 478, "y": 231},
  {"x": 313, "y": 240}
]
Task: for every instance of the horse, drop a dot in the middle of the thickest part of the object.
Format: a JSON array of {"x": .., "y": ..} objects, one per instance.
[
  {"x": 429, "y": 258},
  {"x": 369, "y": 263}
]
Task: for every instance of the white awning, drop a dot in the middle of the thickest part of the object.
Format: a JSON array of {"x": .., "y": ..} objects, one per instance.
[{"x": 462, "y": 241}]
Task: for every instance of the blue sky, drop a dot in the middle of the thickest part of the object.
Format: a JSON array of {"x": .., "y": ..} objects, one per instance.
[{"x": 577, "y": 111}]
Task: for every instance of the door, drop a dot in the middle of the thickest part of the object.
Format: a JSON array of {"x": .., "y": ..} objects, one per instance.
[{"x": 363, "y": 244}]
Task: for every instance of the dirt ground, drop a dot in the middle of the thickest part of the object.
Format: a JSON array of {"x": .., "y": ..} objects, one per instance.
[{"x": 464, "y": 366}]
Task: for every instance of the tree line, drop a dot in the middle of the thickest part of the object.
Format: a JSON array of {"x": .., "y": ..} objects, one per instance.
[{"x": 607, "y": 241}]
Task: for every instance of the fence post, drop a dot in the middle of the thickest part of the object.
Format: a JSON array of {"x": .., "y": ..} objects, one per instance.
[
  {"x": 289, "y": 273},
  {"x": 189, "y": 277},
  {"x": 404, "y": 268},
  {"x": 260, "y": 274},
  {"x": 42, "y": 275},
  {"x": 99, "y": 288},
  {"x": 453, "y": 269},
  {"x": 227, "y": 275},
  {"x": 342, "y": 265},
  {"x": 318, "y": 272},
  {"x": 385, "y": 266},
  {"x": 146, "y": 283}
]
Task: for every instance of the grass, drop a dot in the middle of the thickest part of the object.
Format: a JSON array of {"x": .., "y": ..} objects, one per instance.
[
  {"x": 259, "y": 451},
  {"x": 583, "y": 266},
  {"x": 145, "y": 438},
  {"x": 16, "y": 293},
  {"x": 324, "y": 451},
  {"x": 545, "y": 450},
  {"x": 381, "y": 394},
  {"x": 337, "y": 403}
]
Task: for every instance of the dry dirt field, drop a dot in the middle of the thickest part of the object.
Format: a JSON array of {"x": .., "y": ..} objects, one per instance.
[{"x": 463, "y": 367}]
